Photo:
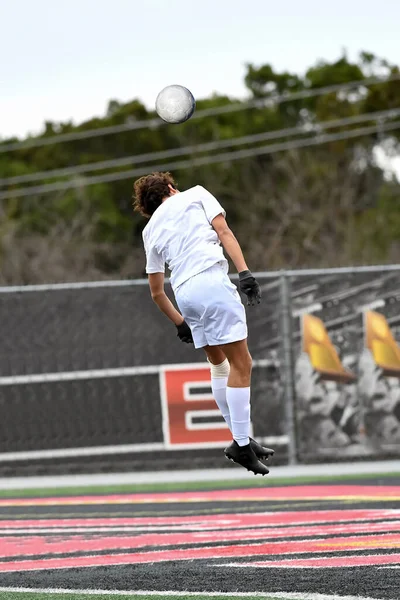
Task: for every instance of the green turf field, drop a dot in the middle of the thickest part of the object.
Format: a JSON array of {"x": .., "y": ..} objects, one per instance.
[{"x": 192, "y": 485}]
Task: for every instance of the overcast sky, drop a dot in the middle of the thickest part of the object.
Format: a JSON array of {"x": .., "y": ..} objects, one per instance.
[{"x": 62, "y": 60}]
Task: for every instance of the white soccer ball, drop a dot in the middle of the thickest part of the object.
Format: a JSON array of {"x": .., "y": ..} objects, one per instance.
[{"x": 175, "y": 104}]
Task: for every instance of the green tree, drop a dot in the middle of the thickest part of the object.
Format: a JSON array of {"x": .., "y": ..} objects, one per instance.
[{"x": 320, "y": 205}]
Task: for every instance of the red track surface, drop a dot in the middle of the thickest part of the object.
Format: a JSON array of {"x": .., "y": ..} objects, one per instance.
[
  {"x": 338, "y": 538},
  {"x": 226, "y": 521}
]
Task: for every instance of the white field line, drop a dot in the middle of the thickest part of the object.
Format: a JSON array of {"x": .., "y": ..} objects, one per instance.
[
  {"x": 14, "y": 531},
  {"x": 265, "y": 595}
]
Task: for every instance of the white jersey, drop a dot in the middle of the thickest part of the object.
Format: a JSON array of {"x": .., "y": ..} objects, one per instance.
[{"x": 180, "y": 234}]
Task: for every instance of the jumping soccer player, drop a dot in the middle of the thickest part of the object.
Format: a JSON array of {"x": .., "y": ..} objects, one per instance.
[{"x": 185, "y": 231}]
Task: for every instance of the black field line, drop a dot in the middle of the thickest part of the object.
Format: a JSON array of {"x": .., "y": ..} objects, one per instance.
[{"x": 232, "y": 507}]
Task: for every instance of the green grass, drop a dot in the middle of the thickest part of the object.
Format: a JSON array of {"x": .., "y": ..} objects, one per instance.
[{"x": 192, "y": 485}]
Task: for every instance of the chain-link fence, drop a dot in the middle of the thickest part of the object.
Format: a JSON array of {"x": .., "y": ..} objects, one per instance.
[
  {"x": 93, "y": 376},
  {"x": 346, "y": 361},
  {"x": 82, "y": 374}
]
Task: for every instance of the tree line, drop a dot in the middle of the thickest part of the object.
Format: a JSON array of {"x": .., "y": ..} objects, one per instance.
[{"x": 302, "y": 182}]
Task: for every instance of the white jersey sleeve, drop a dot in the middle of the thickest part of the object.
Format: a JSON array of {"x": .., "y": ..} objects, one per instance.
[
  {"x": 211, "y": 206},
  {"x": 154, "y": 261}
]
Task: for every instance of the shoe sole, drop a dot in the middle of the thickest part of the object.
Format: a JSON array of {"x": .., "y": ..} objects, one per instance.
[{"x": 238, "y": 463}]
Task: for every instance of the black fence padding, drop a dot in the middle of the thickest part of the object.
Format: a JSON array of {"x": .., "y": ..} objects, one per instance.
[
  {"x": 75, "y": 414},
  {"x": 106, "y": 327},
  {"x": 68, "y": 330}
]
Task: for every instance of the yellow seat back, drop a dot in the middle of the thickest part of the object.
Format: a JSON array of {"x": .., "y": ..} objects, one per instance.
[{"x": 323, "y": 356}]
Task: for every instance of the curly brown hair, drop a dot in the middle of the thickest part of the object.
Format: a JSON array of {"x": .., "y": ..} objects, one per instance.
[{"x": 149, "y": 191}]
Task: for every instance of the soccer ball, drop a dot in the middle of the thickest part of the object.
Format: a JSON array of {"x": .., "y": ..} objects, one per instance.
[{"x": 175, "y": 104}]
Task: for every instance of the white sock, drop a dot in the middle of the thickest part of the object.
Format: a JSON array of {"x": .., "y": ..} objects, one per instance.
[
  {"x": 218, "y": 387},
  {"x": 238, "y": 400}
]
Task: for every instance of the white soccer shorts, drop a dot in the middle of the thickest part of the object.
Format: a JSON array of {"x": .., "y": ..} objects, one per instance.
[{"x": 211, "y": 306}]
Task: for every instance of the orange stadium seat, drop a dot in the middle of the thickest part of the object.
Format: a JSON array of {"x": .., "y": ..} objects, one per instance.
[
  {"x": 380, "y": 341},
  {"x": 322, "y": 353}
]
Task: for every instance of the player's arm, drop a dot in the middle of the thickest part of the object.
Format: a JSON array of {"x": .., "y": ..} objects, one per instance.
[
  {"x": 155, "y": 267},
  {"x": 156, "y": 282},
  {"x": 247, "y": 282},
  {"x": 229, "y": 242}
]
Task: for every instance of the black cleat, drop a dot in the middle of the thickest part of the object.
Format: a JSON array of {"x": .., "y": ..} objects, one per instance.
[
  {"x": 261, "y": 451},
  {"x": 245, "y": 456}
]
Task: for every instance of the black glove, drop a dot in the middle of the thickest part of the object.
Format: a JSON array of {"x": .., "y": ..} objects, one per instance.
[
  {"x": 249, "y": 286},
  {"x": 184, "y": 333}
]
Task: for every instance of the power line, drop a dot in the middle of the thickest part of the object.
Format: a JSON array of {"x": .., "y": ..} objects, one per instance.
[
  {"x": 207, "y": 112},
  {"x": 206, "y": 147},
  {"x": 204, "y": 160}
]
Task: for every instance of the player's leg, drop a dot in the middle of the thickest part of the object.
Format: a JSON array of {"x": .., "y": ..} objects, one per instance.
[
  {"x": 238, "y": 396},
  {"x": 234, "y": 398},
  {"x": 232, "y": 402},
  {"x": 212, "y": 308},
  {"x": 219, "y": 367},
  {"x": 238, "y": 389}
]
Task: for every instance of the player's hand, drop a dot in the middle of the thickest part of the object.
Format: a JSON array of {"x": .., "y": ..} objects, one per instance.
[
  {"x": 184, "y": 333},
  {"x": 249, "y": 286}
]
